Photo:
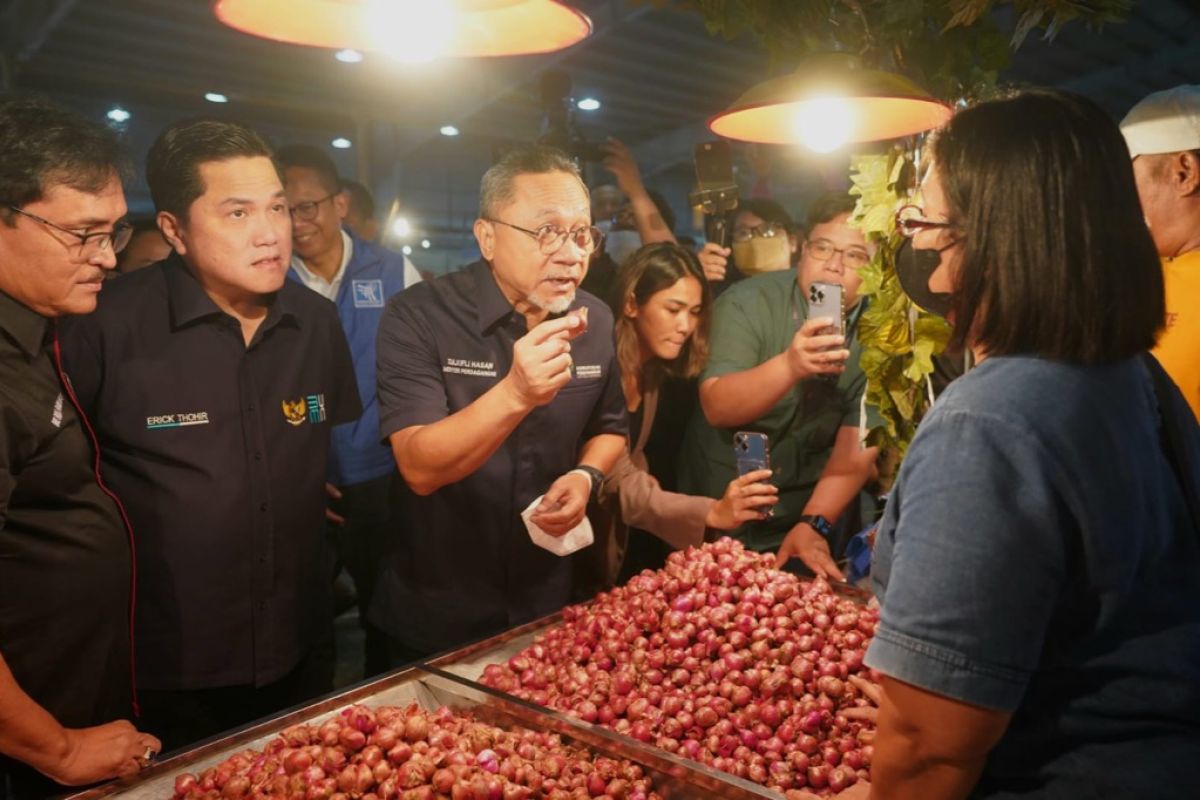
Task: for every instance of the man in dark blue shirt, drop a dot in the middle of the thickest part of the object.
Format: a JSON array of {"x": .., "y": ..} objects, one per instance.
[
  {"x": 214, "y": 384},
  {"x": 65, "y": 552},
  {"x": 497, "y": 385}
]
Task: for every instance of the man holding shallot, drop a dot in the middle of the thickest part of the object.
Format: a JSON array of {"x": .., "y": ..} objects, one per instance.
[{"x": 497, "y": 385}]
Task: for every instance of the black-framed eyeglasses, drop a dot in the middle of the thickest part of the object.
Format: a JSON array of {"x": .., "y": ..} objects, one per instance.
[
  {"x": 768, "y": 230},
  {"x": 117, "y": 238},
  {"x": 307, "y": 211},
  {"x": 551, "y": 237},
  {"x": 911, "y": 220},
  {"x": 823, "y": 250}
]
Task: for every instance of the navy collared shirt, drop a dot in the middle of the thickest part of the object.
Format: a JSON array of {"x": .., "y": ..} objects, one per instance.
[
  {"x": 64, "y": 551},
  {"x": 465, "y": 566},
  {"x": 219, "y": 452}
]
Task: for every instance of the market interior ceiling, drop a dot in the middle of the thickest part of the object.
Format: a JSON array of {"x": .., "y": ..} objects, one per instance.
[{"x": 658, "y": 74}]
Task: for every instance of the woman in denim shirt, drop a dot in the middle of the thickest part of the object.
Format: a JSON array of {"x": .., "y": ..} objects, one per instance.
[{"x": 1037, "y": 564}]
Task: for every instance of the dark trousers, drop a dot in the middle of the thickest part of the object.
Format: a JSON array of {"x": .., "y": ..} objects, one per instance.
[
  {"x": 362, "y": 543},
  {"x": 401, "y": 655},
  {"x": 182, "y": 718},
  {"x": 19, "y": 782}
]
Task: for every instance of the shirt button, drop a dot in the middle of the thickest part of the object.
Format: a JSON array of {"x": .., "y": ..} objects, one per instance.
[
  {"x": 258, "y": 456},
  {"x": 262, "y": 506},
  {"x": 250, "y": 407}
]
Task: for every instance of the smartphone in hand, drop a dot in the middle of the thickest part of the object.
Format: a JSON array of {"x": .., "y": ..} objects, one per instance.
[
  {"x": 752, "y": 451},
  {"x": 825, "y": 300}
]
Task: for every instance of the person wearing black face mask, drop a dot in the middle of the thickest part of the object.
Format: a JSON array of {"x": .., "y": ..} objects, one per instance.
[{"x": 914, "y": 267}]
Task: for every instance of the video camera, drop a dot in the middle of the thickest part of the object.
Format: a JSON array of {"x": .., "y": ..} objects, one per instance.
[{"x": 559, "y": 128}]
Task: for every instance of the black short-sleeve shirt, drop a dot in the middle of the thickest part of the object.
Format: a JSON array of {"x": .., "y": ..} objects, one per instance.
[
  {"x": 64, "y": 551},
  {"x": 219, "y": 452},
  {"x": 465, "y": 566}
]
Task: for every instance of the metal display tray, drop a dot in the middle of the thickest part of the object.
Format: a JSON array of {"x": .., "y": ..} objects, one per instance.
[{"x": 674, "y": 779}]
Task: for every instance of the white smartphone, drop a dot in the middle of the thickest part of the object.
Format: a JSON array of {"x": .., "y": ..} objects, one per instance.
[{"x": 825, "y": 300}]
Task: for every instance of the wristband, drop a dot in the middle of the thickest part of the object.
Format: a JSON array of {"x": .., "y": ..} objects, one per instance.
[
  {"x": 818, "y": 523},
  {"x": 595, "y": 478}
]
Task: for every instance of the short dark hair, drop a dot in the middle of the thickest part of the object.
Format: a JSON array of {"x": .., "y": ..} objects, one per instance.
[
  {"x": 828, "y": 207},
  {"x": 1057, "y": 261},
  {"x": 42, "y": 145},
  {"x": 309, "y": 157},
  {"x": 173, "y": 164},
  {"x": 767, "y": 210},
  {"x": 649, "y": 270},
  {"x": 360, "y": 197},
  {"x": 496, "y": 188}
]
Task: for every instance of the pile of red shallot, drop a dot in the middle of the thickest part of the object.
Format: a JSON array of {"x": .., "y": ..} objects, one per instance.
[
  {"x": 718, "y": 658},
  {"x": 411, "y": 754}
]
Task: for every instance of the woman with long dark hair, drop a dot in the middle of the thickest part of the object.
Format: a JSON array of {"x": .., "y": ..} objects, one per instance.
[
  {"x": 1038, "y": 563},
  {"x": 663, "y": 309}
]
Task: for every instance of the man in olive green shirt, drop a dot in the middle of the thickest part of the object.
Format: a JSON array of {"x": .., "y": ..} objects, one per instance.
[{"x": 775, "y": 371}]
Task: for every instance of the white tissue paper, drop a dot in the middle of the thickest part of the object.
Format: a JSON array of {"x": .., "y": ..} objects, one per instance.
[{"x": 577, "y": 538}]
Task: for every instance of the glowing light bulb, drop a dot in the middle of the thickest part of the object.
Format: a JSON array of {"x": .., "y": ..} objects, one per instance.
[
  {"x": 118, "y": 114},
  {"x": 589, "y": 104},
  {"x": 341, "y": 143},
  {"x": 401, "y": 227},
  {"x": 216, "y": 97},
  {"x": 449, "y": 130},
  {"x": 348, "y": 56},
  {"x": 411, "y": 31},
  {"x": 406, "y": 250},
  {"x": 425, "y": 243},
  {"x": 823, "y": 124}
]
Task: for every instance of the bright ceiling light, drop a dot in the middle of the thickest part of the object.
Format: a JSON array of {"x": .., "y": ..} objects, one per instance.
[
  {"x": 589, "y": 104},
  {"x": 401, "y": 228},
  {"x": 341, "y": 143},
  {"x": 449, "y": 130},
  {"x": 118, "y": 114},
  {"x": 413, "y": 29},
  {"x": 406, "y": 250},
  {"x": 824, "y": 124},
  {"x": 348, "y": 56},
  {"x": 215, "y": 97},
  {"x": 863, "y": 105},
  {"x": 426, "y": 244}
]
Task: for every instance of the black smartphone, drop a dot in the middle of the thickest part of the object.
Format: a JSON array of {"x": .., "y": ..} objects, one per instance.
[
  {"x": 714, "y": 165},
  {"x": 716, "y": 192},
  {"x": 752, "y": 451}
]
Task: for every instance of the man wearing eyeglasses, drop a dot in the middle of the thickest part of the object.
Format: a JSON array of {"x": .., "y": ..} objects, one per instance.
[
  {"x": 213, "y": 383},
  {"x": 359, "y": 277},
  {"x": 774, "y": 370},
  {"x": 65, "y": 551},
  {"x": 497, "y": 385}
]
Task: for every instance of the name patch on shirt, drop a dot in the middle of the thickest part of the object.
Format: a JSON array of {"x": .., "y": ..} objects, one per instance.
[
  {"x": 177, "y": 420},
  {"x": 368, "y": 294},
  {"x": 56, "y": 414},
  {"x": 588, "y": 371},
  {"x": 310, "y": 407},
  {"x": 463, "y": 366}
]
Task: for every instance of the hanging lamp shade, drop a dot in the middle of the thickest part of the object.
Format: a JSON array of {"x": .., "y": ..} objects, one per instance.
[
  {"x": 469, "y": 27},
  {"x": 830, "y": 98}
]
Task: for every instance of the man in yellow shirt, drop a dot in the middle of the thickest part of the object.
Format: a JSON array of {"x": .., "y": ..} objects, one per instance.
[{"x": 1163, "y": 134}]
